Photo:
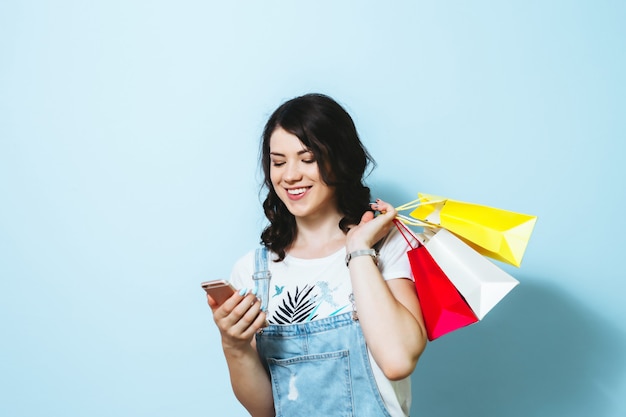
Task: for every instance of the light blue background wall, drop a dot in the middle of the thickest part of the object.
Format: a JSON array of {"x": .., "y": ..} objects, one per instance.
[{"x": 128, "y": 146}]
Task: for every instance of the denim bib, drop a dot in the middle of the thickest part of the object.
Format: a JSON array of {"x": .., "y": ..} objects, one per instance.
[{"x": 319, "y": 368}]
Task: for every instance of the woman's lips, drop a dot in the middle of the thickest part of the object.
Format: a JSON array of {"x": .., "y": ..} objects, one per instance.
[{"x": 297, "y": 193}]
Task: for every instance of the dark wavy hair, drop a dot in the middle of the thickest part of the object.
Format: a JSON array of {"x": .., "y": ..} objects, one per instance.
[{"x": 326, "y": 129}]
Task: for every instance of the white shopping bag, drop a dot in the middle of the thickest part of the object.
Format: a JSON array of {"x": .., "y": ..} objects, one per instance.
[{"x": 482, "y": 283}]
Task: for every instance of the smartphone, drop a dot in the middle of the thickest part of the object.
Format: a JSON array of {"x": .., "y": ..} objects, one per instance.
[{"x": 220, "y": 290}]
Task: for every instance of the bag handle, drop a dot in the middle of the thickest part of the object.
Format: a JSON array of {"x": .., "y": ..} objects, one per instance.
[
  {"x": 404, "y": 231},
  {"x": 418, "y": 203},
  {"x": 414, "y": 222},
  {"x": 412, "y": 205}
]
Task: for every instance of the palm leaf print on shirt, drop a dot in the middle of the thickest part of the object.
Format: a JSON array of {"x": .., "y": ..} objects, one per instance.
[{"x": 295, "y": 308}]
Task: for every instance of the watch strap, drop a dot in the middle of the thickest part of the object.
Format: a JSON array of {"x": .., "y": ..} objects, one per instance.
[{"x": 362, "y": 252}]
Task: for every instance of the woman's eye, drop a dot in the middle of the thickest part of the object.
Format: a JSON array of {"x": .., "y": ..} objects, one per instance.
[
  {"x": 309, "y": 161},
  {"x": 278, "y": 163}
]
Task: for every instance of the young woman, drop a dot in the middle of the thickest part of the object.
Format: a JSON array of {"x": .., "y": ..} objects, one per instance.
[{"x": 342, "y": 331}]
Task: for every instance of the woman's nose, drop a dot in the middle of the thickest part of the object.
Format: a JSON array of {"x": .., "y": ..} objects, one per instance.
[{"x": 292, "y": 173}]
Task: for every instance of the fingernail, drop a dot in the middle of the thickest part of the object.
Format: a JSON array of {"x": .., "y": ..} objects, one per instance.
[
  {"x": 243, "y": 291},
  {"x": 255, "y": 290}
]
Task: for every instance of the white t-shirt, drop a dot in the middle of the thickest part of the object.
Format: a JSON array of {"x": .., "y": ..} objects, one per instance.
[{"x": 302, "y": 290}]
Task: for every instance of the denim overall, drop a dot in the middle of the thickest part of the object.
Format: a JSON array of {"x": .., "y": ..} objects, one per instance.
[{"x": 318, "y": 368}]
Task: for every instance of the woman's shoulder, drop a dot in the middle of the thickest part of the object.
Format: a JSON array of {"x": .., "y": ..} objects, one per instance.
[
  {"x": 245, "y": 266},
  {"x": 246, "y": 262}
]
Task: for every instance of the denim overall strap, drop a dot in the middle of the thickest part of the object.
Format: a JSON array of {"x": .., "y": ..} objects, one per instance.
[{"x": 262, "y": 276}]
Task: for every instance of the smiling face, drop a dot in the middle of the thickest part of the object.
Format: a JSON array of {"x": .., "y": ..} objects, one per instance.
[{"x": 296, "y": 178}]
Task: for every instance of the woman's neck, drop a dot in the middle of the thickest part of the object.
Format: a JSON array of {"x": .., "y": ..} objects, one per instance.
[{"x": 317, "y": 238}]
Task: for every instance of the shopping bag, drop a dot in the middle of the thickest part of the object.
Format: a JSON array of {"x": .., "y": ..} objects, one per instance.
[
  {"x": 480, "y": 281},
  {"x": 499, "y": 234},
  {"x": 443, "y": 307}
]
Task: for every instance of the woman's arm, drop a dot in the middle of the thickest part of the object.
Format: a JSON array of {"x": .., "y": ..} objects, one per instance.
[
  {"x": 238, "y": 319},
  {"x": 388, "y": 311}
]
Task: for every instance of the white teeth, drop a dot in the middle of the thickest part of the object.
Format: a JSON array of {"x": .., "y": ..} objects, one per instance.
[{"x": 296, "y": 191}]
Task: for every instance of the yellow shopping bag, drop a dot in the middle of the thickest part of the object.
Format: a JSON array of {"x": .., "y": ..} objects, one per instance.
[{"x": 499, "y": 234}]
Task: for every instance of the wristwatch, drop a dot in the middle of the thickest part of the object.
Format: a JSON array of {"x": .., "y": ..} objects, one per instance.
[{"x": 362, "y": 252}]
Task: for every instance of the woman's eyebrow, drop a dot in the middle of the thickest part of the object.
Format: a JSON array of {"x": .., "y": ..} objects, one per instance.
[{"x": 302, "y": 152}]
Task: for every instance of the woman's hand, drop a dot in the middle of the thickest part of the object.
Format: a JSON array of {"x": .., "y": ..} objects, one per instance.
[
  {"x": 371, "y": 228},
  {"x": 238, "y": 319}
]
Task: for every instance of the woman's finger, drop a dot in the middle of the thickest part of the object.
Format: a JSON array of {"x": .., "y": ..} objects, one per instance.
[{"x": 242, "y": 316}]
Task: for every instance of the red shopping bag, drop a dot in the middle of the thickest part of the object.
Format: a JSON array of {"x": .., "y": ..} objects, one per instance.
[{"x": 444, "y": 309}]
